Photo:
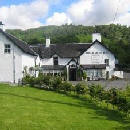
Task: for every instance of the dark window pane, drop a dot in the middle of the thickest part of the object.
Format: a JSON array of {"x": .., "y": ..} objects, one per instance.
[
  {"x": 55, "y": 60},
  {"x": 7, "y": 48},
  {"x": 107, "y": 62}
]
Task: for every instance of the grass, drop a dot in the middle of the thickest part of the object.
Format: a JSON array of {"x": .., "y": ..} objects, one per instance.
[{"x": 26, "y": 108}]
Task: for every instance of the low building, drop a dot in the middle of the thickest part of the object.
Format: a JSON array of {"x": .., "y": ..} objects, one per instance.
[
  {"x": 15, "y": 57},
  {"x": 95, "y": 59}
]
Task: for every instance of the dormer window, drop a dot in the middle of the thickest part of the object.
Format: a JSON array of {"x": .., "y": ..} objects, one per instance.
[
  {"x": 107, "y": 62},
  {"x": 7, "y": 49},
  {"x": 55, "y": 60}
]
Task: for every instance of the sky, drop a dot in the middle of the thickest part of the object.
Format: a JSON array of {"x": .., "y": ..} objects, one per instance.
[{"x": 25, "y": 14}]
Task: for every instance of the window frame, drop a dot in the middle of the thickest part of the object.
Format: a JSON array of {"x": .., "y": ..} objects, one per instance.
[
  {"x": 55, "y": 60},
  {"x": 107, "y": 62},
  {"x": 7, "y": 48}
]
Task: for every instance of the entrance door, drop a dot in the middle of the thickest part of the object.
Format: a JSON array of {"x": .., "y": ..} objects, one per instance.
[
  {"x": 72, "y": 74},
  {"x": 107, "y": 75}
]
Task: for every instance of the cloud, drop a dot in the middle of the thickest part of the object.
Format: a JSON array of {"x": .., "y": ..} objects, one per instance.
[
  {"x": 91, "y": 12},
  {"x": 58, "y": 19},
  {"x": 124, "y": 19},
  {"x": 86, "y": 12},
  {"x": 25, "y": 15}
]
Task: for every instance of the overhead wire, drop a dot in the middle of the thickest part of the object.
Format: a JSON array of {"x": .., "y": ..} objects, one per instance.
[{"x": 115, "y": 16}]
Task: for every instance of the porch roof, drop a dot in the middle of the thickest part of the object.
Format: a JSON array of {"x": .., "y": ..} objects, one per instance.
[
  {"x": 52, "y": 67},
  {"x": 94, "y": 66}
]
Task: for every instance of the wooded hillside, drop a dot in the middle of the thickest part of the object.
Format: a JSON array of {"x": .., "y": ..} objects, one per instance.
[{"x": 116, "y": 37}]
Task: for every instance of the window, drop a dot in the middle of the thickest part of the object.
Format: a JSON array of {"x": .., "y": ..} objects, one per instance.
[
  {"x": 7, "y": 48},
  {"x": 87, "y": 52},
  {"x": 92, "y": 52},
  {"x": 100, "y": 52},
  {"x": 55, "y": 60},
  {"x": 107, "y": 62},
  {"x": 96, "y": 52},
  {"x": 104, "y": 52}
]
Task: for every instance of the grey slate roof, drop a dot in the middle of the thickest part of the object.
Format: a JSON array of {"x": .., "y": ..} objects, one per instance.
[
  {"x": 69, "y": 50},
  {"x": 94, "y": 66},
  {"x": 19, "y": 43}
]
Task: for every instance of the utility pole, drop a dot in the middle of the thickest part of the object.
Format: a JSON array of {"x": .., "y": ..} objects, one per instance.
[{"x": 13, "y": 65}]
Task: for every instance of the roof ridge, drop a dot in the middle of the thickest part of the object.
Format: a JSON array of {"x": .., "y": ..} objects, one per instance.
[
  {"x": 16, "y": 38},
  {"x": 19, "y": 43}
]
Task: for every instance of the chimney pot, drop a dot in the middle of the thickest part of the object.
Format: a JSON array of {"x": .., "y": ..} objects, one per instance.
[
  {"x": 2, "y": 26},
  {"x": 48, "y": 42}
]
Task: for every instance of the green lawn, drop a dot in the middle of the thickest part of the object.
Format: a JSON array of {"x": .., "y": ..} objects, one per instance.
[{"x": 25, "y": 108}]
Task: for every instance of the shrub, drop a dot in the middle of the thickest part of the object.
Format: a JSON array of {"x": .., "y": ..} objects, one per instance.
[
  {"x": 40, "y": 80},
  {"x": 81, "y": 88},
  {"x": 84, "y": 75},
  {"x": 92, "y": 91},
  {"x": 28, "y": 80},
  {"x": 66, "y": 87},
  {"x": 46, "y": 79},
  {"x": 96, "y": 91},
  {"x": 113, "y": 96},
  {"x": 99, "y": 92},
  {"x": 56, "y": 83}
]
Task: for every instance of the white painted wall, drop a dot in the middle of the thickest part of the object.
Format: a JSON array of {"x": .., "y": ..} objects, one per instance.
[
  {"x": 47, "y": 61},
  {"x": 7, "y": 62},
  {"x": 119, "y": 74},
  {"x": 28, "y": 60},
  {"x": 94, "y": 58},
  {"x": 61, "y": 61}
]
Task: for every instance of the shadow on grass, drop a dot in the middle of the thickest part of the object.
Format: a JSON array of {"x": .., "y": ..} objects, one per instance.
[{"x": 112, "y": 115}]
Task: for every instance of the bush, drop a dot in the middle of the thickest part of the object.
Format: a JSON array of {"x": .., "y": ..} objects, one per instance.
[
  {"x": 84, "y": 76},
  {"x": 93, "y": 90},
  {"x": 46, "y": 79},
  {"x": 56, "y": 83},
  {"x": 96, "y": 91},
  {"x": 99, "y": 92},
  {"x": 66, "y": 87},
  {"x": 29, "y": 80},
  {"x": 113, "y": 96},
  {"x": 81, "y": 88}
]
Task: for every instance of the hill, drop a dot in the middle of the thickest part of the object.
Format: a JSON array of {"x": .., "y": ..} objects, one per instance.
[
  {"x": 26, "y": 108},
  {"x": 116, "y": 37}
]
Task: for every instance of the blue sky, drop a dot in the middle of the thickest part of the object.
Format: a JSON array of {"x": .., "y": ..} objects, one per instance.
[
  {"x": 35, "y": 13},
  {"x": 10, "y": 2},
  {"x": 63, "y": 4}
]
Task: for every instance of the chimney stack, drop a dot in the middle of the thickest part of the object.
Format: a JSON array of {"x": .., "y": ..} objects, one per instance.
[
  {"x": 1, "y": 26},
  {"x": 96, "y": 36},
  {"x": 48, "y": 42}
]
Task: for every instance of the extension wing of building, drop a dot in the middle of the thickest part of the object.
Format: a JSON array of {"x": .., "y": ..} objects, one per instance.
[
  {"x": 15, "y": 55},
  {"x": 95, "y": 59}
]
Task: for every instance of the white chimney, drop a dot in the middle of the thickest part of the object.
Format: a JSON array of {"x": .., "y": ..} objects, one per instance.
[
  {"x": 48, "y": 42},
  {"x": 96, "y": 36},
  {"x": 2, "y": 26}
]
